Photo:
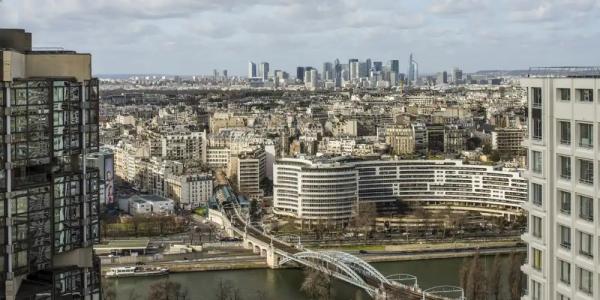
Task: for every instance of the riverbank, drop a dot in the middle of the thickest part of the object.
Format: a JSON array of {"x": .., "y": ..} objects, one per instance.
[{"x": 388, "y": 253}]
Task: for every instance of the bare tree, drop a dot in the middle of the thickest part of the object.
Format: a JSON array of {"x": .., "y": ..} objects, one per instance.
[
  {"x": 108, "y": 291},
  {"x": 227, "y": 291},
  {"x": 317, "y": 285},
  {"x": 495, "y": 277},
  {"x": 364, "y": 218},
  {"x": 477, "y": 279},
  {"x": 473, "y": 279},
  {"x": 515, "y": 278},
  {"x": 167, "y": 290}
]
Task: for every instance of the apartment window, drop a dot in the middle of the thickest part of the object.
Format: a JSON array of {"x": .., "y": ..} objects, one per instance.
[
  {"x": 586, "y": 208},
  {"x": 585, "y": 244},
  {"x": 585, "y": 280},
  {"x": 536, "y": 290},
  {"x": 564, "y": 94},
  {"x": 536, "y": 227},
  {"x": 537, "y": 124},
  {"x": 536, "y": 194},
  {"x": 565, "y": 236},
  {"x": 565, "y": 132},
  {"x": 585, "y": 95},
  {"x": 536, "y": 94},
  {"x": 586, "y": 171},
  {"x": 536, "y": 161},
  {"x": 565, "y": 202},
  {"x": 564, "y": 269},
  {"x": 563, "y": 297},
  {"x": 565, "y": 167},
  {"x": 537, "y": 259},
  {"x": 586, "y": 135}
]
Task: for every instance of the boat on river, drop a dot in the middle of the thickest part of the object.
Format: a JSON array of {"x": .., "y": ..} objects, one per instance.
[{"x": 136, "y": 272}]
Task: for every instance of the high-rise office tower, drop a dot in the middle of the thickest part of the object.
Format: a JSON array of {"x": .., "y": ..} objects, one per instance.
[
  {"x": 263, "y": 70},
  {"x": 49, "y": 204},
  {"x": 369, "y": 63},
  {"x": 378, "y": 66},
  {"x": 310, "y": 78},
  {"x": 413, "y": 71},
  {"x": 300, "y": 73},
  {"x": 252, "y": 70},
  {"x": 457, "y": 76},
  {"x": 327, "y": 71},
  {"x": 563, "y": 216},
  {"x": 442, "y": 78},
  {"x": 395, "y": 65},
  {"x": 363, "y": 71},
  {"x": 337, "y": 69},
  {"x": 225, "y": 74},
  {"x": 354, "y": 70}
]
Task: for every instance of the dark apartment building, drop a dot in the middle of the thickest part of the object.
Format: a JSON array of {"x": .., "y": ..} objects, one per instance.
[{"x": 49, "y": 197}]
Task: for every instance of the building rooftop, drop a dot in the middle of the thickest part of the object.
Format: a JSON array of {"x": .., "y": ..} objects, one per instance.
[{"x": 565, "y": 72}]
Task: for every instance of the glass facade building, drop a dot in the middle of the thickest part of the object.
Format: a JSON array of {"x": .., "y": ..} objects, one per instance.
[{"x": 49, "y": 198}]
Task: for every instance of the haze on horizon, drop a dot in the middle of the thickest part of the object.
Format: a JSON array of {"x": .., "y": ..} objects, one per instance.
[{"x": 197, "y": 36}]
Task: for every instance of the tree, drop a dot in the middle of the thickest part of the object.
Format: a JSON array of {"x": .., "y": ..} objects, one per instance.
[
  {"x": 473, "y": 279},
  {"x": 317, "y": 285},
  {"x": 364, "y": 218},
  {"x": 108, "y": 291},
  {"x": 495, "y": 278},
  {"x": 487, "y": 149},
  {"x": 167, "y": 290},
  {"x": 254, "y": 209},
  {"x": 515, "y": 278},
  {"x": 227, "y": 291},
  {"x": 473, "y": 143}
]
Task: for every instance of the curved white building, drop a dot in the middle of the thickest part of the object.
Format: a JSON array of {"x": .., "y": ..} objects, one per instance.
[{"x": 314, "y": 188}]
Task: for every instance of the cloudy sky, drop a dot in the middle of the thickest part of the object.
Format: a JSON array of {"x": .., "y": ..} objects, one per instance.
[{"x": 197, "y": 36}]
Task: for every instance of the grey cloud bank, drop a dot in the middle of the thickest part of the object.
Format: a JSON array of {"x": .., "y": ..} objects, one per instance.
[{"x": 196, "y": 36}]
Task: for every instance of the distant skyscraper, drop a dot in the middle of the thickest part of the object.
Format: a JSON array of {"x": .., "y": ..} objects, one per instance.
[
  {"x": 369, "y": 63},
  {"x": 442, "y": 78},
  {"x": 225, "y": 74},
  {"x": 300, "y": 73},
  {"x": 378, "y": 66},
  {"x": 363, "y": 70},
  {"x": 327, "y": 71},
  {"x": 310, "y": 78},
  {"x": 394, "y": 65},
  {"x": 457, "y": 76},
  {"x": 337, "y": 69},
  {"x": 413, "y": 71},
  {"x": 251, "y": 70},
  {"x": 263, "y": 70},
  {"x": 354, "y": 69}
]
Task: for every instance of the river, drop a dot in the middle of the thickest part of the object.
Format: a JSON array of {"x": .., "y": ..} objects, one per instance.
[{"x": 284, "y": 284}]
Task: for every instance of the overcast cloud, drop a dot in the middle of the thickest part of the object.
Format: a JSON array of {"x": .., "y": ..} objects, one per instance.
[{"x": 197, "y": 36}]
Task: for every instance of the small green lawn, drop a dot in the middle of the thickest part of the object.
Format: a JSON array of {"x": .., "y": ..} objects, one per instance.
[{"x": 357, "y": 247}]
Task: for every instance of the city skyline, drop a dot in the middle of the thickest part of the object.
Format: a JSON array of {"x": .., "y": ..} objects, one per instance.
[{"x": 204, "y": 36}]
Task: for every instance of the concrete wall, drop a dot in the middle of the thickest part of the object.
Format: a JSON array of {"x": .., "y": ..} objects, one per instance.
[
  {"x": 18, "y": 65},
  {"x": 56, "y": 65}
]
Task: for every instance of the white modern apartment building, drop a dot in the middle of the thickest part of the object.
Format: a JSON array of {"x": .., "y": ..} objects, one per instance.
[
  {"x": 315, "y": 190},
  {"x": 563, "y": 247},
  {"x": 321, "y": 188}
]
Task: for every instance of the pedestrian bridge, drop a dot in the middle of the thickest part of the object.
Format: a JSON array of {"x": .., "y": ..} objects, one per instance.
[{"x": 343, "y": 266}]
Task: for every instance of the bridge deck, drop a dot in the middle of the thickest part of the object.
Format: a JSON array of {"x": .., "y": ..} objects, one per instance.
[{"x": 393, "y": 290}]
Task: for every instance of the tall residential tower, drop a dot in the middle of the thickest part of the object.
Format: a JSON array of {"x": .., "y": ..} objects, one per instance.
[
  {"x": 564, "y": 228},
  {"x": 49, "y": 197}
]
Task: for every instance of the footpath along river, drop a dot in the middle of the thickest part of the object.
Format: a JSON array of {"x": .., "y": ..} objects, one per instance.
[{"x": 284, "y": 284}]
